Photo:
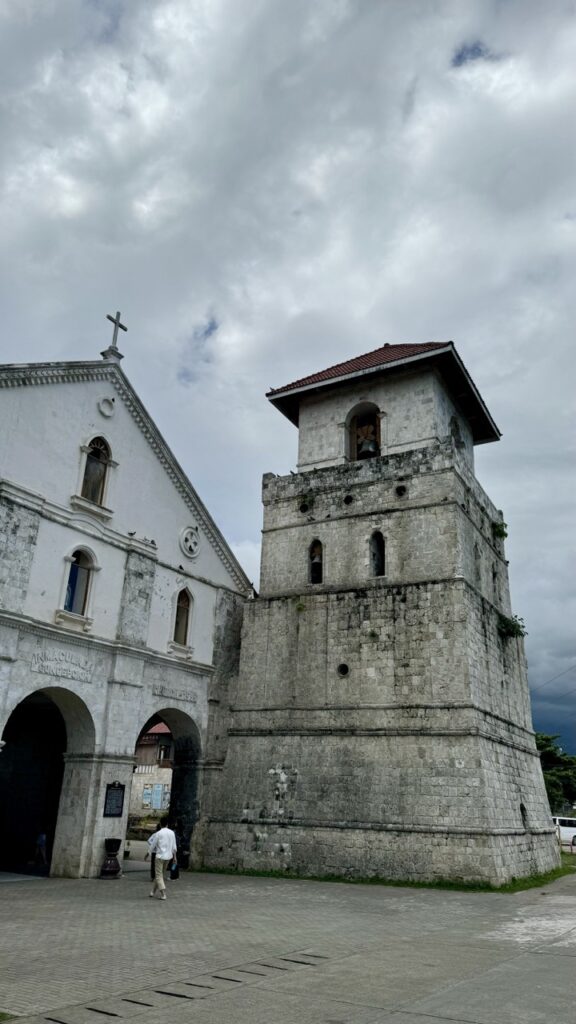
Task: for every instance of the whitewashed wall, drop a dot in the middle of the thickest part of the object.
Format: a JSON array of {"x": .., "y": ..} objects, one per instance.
[{"x": 43, "y": 429}]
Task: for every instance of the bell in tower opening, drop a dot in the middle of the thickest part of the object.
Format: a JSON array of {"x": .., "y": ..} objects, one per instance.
[
  {"x": 365, "y": 434},
  {"x": 316, "y": 562}
]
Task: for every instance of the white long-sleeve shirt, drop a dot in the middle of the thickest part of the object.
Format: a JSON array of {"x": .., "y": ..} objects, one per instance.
[{"x": 163, "y": 844}]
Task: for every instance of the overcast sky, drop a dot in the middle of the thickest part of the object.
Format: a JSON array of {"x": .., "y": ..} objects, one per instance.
[{"x": 267, "y": 187}]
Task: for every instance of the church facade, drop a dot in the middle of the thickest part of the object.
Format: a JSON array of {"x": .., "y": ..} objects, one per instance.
[
  {"x": 120, "y": 606},
  {"x": 367, "y": 714}
]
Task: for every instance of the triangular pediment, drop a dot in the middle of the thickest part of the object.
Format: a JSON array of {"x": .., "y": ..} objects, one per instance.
[{"x": 43, "y": 374}]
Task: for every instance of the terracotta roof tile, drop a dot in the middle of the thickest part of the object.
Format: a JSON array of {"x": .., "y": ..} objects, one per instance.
[
  {"x": 386, "y": 354},
  {"x": 161, "y": 728}
]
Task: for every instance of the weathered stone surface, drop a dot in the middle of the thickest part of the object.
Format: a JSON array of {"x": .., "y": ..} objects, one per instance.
[
  {"x": 136, "y": 598},
  {"x": 381, "y": 724},
  {"x": 18, "y": 532}
]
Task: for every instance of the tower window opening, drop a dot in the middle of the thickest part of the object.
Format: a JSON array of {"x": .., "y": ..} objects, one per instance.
[
  {"x": 364, "y": 433},
  {"x": 78, "y": 583},
  {"x": 182, "y": 620},
  {"x": 95, "y": 470},
  {"x": 495, "y": 583},
  {"x": 316, "y": 562},
  {"x": 477, "y": 566},
  {"x": 377, "y": 554}
]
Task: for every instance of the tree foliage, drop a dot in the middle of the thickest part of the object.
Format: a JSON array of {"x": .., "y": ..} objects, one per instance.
[{"x": 559, "y": 772}]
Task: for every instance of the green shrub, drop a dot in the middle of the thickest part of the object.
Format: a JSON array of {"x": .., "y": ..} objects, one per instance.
[
  {"x": 511, "y": 627},
  {"x": 499, "y": 530}
]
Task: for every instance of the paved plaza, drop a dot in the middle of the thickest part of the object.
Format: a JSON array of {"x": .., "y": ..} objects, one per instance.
[{"x": 225, "y": 949}]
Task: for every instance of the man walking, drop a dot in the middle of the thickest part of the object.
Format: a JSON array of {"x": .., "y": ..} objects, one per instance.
[{"x": 163, "y": 844}]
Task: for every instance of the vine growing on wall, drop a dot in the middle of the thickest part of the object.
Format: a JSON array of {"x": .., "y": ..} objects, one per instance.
[
  {"x": 499, "y": 530},
  {"x": 511, "y": 627}
]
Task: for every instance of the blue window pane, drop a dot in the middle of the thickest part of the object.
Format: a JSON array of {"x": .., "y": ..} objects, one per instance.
[{"x": 77, "y": 589}]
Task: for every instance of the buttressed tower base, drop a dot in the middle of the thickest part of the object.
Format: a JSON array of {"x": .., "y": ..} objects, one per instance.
[{"x": 381, "y": 725}]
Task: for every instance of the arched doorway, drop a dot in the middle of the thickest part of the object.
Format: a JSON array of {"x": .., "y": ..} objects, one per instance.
[
  {"x": 40, "y": 732},
  {"x": 165, "y": 777}
]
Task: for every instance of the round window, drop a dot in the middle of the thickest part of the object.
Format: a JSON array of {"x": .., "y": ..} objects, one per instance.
[
  {"x": 190, "y": 541},
  {"x": 343, "y": 669}
]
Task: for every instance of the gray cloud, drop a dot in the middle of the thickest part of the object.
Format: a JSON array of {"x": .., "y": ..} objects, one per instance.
[{"x": 315, "y": 179}]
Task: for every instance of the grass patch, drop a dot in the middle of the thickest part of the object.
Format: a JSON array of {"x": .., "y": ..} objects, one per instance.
[
  {"x": 6, "y": 1016},
  {"x": 568, "y": 867}
]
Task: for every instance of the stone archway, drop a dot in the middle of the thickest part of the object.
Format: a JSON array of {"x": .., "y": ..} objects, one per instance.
[
  {"x": 41, "y": 791},
  {"x": 185, "y": 761}
]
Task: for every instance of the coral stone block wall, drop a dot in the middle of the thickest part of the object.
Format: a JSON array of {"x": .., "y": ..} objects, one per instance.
[{"x": 381, "y": 724}]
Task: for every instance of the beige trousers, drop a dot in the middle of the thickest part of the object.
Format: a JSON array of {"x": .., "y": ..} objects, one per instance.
[{"x": 159, "y": 866}]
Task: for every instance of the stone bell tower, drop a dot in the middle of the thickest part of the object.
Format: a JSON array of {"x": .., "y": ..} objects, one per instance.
[{"x": 381, "y": 724}]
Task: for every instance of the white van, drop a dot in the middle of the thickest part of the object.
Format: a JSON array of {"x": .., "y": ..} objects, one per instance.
[{"x": 567, "y": 829}]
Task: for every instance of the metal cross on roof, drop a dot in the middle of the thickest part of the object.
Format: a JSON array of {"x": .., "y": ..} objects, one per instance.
[{"x": 116, "y": 321}]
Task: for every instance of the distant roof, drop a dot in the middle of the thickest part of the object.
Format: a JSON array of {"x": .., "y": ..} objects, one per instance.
[
  {"x": 160, "y": 728},
  {"x": 389, "y": 359}
]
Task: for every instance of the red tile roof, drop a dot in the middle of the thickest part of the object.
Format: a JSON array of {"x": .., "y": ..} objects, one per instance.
[
  {"x": 160, "y": 728},
  {"x": 386, "y": 354},
  {"x": 391, "y": 358}
]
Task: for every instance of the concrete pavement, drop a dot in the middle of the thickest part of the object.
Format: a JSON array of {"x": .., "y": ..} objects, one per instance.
[{"x": 225, "y": 949}]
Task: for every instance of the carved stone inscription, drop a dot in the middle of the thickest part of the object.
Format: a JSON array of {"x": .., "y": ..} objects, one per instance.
[
  {"x": 165, "y": 691},
  {"x": 63, "y": 664}
]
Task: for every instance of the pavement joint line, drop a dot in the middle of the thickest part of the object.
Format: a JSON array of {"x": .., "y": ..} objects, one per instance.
[
  {"x": 243, "y": 970},
  {"x": 441, "y": 1020},
  {"x": 290, "y": 960},
  {"x": 435, "y": 1017},
  {"x": 175, "y": 995},
  {"x": 274, "y": 967}
]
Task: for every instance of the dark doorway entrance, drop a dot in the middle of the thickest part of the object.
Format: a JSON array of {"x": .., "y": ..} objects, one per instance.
[{"x": 31, "y": 770}]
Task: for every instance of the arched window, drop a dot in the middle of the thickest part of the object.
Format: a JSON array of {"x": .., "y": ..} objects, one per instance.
[
  {"x": 182, "y": 620},
  {"x": 377, "y": 554},
  {"x": 477, "y": 566},
  {"x": 97, "y": 462},
  {"x": 78, "y": 585},
  {"x": 364, "y": 432},
  {"x": 315, "y": 562}
]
